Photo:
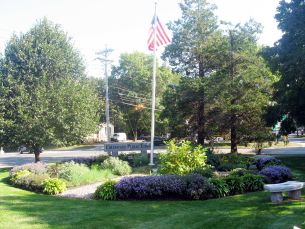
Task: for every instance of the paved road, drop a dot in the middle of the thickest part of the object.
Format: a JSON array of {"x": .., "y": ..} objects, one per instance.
[
  {"x": 12, "y": 159},
  {"x": 300, "y": 150}
]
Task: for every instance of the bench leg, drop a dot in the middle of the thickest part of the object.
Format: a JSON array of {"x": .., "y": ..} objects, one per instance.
[
  {"x": 276, "y": 197},
  {"x": 295, "y": 195}
]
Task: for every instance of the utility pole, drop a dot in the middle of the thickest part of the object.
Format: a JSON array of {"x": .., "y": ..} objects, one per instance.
[{"x": 103, "y": 58}]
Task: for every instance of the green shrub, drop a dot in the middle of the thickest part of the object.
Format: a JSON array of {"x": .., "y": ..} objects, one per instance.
[
  {"x": 35, "y": 181},
  {"x": 226, "y": 167},
  {"x": 182, "y": 159},
  {"x": 53, "y": 186},
  {"x": 235, "y": 185},
  {"x": 79, "y": 174},
  {"x": 213, "y": 159},
  {"x": 221, "y": 188},
  {"x": 106, "y": 191},
  {"x": 116, "y": 166},
  {"x": 140, "y": 160},
  {"x": 18, "y": 175},
  {"x": 239, "y": 172},
  {"x": 70, "y": 170},
  {"x": 238, "y": 161},
  {"x": 135, "y": 159},
  {"x": 54, "y": 170},
  {"x": 252, "y": 182},
  {"x": 207, "y": 172}
]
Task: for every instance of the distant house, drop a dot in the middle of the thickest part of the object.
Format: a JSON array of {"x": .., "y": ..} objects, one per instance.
[{"x": 100, "y": 135}]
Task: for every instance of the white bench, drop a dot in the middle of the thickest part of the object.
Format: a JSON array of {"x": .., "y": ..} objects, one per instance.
[{"x": 292, "y": 187}]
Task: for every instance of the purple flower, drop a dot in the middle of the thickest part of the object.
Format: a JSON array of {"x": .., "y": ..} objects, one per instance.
[
  {"x": 263, "y": 162},
  {"x": 276, "y": 174},
  {"x": 151, "y": 187},
  {"x": 36, "y": 168}
]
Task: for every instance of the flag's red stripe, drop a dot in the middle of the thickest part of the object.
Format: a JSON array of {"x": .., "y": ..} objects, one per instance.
[
  {"x": 163, "y": 31},
  {"x": 161, "y": 35}
]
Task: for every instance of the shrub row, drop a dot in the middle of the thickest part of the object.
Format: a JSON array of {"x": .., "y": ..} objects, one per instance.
[
  {"x": 53, "y": 179},
  {"x": 192, "y": 186},
  {"x": 34, "y": 177},
  {"x": 227, "y": 162}
]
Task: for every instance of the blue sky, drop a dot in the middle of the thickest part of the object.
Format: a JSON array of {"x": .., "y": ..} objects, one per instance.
[{"x": 121, "y": 24}]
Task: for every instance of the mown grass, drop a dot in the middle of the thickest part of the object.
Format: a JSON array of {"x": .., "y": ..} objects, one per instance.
[{"x": 23, "y": 209}]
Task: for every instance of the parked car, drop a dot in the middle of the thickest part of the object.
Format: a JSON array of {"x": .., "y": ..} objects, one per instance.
[
  {"x": 158, "y": 141},
  {"x": 119, "y": 137},
  {"x": 24, "y": 149}
]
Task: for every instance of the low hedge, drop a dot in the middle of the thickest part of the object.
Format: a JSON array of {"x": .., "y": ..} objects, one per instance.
[{"x": 191, "y": 186}]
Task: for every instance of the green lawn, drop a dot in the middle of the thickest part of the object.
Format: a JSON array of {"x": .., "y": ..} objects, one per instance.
[{"x": 23, "y": 209}]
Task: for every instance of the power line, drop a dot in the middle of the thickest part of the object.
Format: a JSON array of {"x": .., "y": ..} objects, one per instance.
[
  {"x": 128, "y": 90},
  {"x": 134, "y": 105}
]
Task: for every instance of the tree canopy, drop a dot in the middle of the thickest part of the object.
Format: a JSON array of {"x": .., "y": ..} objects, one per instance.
[
  {"x": 130, "y": 85},
  {"x": 287, "y": 58},
  {"x": 48, "y": 99}
]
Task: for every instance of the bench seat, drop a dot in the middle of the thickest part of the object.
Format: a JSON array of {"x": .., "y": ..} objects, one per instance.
[{"x": 292, "y": 187}]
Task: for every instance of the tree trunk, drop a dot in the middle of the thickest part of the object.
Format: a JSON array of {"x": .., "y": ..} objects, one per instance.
[
  {"x": 37, "y": 156},
  {"x": 233, "y": 134},
  {"x": 200, "y": 112},
  {"x": 200, "y": 123}
]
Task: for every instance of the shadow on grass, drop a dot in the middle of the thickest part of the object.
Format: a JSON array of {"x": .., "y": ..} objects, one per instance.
[{"x": 252, "y": 210}]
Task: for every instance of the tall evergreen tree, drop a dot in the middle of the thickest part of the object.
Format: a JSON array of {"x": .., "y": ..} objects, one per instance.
[{"x": 192, "y": 50}]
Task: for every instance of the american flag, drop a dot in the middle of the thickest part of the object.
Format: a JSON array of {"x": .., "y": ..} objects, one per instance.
[{"x": 161, "y": 36}]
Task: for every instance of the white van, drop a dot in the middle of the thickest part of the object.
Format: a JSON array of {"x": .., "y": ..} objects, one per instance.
[{"x": 119, "y": 137}]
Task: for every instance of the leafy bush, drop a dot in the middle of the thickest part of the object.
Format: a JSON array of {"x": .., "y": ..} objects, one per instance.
[
  {"x": 89, "y": 161},
  {"x": 276, "y": 174},
  {"x": 70, "y": 170},
  {"x": 53, "y": 186},
  {"x": 207, "y": 172},
  {"x": 79, "y": 174},
  {"x": 182, "y": 159},
  {"x": 135, "y": 159},
  {"x": 235, "y": 185},
  {"x": 263, "y": 162},
  {"x": 37, "y": 168},
  {"x": 28, "y": 180},
  {"x": 140, "y": 160},
  {"x": 239, "y": 172},
  {"x": 213, "y": 159},
  {"x": 252, "y": 183},
  {"x": 198, "y": 187},
  {"x": 17, "y": 175},
  {"x": 151, "y": 187},
  {"x": 106, "y": 191},
  {"x": 238, "y": 161},
  {"x": 226, "y": 167},
  {"x": 221, "y": 188},
  {"x": 54, "y": 170},
  {"x": 116, "y": 166}
]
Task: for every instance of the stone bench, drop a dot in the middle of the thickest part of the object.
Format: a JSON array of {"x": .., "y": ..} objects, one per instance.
[{"x": 292, "y": 187}]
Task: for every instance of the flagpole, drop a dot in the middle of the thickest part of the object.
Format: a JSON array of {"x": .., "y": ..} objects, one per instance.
[{"x": 153, "y": 104}]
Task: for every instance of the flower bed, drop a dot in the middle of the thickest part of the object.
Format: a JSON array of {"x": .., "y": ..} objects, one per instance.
[
  {"x": 189, "y": 187},
  {"x": 53, "y": 179}
]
